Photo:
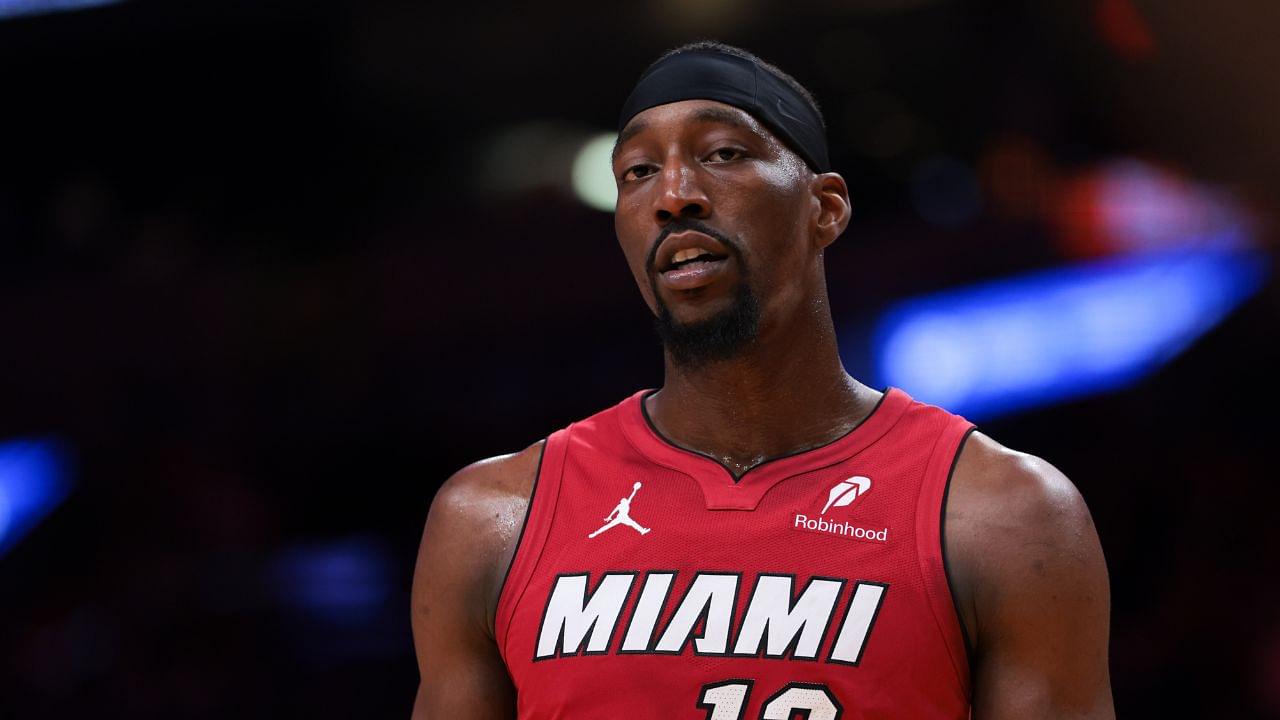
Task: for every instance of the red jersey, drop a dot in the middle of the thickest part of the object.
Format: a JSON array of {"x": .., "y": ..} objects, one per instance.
[{"x": 647, "y": 583}]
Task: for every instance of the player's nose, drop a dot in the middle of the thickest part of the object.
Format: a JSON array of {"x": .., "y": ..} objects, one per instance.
[{"x": 680, "y": 194}]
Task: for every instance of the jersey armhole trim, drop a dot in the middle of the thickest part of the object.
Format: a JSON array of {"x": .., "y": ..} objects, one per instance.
[
  {"x": 930, "y": 552},
  {"x": 533, "y": 533},
  {"x": 942, "y": 546},
  {"x": 524, "y": 525}
]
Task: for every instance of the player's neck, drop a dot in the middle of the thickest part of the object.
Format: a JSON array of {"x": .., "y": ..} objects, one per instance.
[{"x": 789, "y": 395}]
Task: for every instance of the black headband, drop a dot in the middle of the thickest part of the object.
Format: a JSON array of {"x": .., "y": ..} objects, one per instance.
[{"x": 736, "y": 81}]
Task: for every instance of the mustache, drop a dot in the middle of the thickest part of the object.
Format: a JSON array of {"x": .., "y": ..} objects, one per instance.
[{"x": 678, "y": 225}]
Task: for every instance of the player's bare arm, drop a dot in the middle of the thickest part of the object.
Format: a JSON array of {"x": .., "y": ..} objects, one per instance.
[
  {"x": 470, "y": 536},
  {"x": 1031, "y": 585}
]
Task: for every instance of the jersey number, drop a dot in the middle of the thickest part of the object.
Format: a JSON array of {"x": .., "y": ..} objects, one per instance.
[{"x": 727, "y": 700}]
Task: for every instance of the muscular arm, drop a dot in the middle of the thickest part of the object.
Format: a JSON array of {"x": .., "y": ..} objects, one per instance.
[
  {"x": 1031, "y": 587},
  {"x": 467, "y": 546}
]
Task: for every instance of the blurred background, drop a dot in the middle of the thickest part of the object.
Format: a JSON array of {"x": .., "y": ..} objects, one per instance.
[{"x": 270, "y": 272}]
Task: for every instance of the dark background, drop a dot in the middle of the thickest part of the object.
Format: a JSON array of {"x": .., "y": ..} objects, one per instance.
[{"x": 266, "y": 275}]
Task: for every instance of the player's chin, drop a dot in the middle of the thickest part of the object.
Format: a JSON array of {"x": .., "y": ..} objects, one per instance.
[{"x": 693, "y": 307}]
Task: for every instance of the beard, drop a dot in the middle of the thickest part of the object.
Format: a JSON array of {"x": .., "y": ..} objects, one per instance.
[{"x": 723, "y": 336}]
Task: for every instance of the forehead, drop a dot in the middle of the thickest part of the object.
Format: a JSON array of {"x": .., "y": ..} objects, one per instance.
[{"x": 686, "y": 114}]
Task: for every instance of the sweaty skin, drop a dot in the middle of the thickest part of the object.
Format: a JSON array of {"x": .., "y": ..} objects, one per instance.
[{"x": 1024, "y": 560}]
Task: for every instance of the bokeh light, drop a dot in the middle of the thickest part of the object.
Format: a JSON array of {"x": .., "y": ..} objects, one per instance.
[{"x": 593, "y": 181}]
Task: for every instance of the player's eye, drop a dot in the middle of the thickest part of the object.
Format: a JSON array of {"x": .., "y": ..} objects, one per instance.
[
  {"x": 724, "y": 154},
  {"x": 637, "y": 172}
]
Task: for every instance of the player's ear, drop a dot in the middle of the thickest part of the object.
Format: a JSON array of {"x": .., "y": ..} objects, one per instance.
[{"x": 834, "y": 209}]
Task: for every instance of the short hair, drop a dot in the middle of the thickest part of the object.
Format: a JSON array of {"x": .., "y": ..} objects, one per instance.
[{"x": 716, "y": 46}]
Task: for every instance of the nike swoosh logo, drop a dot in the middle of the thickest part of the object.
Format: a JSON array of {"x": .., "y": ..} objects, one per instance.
[{"x": 783, "y": 111}]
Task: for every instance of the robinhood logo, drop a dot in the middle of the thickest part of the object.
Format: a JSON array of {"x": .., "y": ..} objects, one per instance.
[
  {"x": 845, "y": 492},
  {"x": 843, "y": 495}
]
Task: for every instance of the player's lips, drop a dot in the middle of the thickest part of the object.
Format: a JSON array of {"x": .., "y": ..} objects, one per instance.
[{"x": 690, "y": 259}]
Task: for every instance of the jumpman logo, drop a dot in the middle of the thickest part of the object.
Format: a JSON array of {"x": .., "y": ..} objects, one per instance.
[{"x": 621, "y": 515}]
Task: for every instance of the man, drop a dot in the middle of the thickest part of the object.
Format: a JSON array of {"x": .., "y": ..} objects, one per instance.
[{"x": 804, "y": 545}]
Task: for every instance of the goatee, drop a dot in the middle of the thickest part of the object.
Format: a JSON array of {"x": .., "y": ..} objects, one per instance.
[{"x": 724, "y": 336}]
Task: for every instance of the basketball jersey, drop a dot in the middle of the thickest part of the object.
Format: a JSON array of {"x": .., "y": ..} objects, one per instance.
[{"x": 648, "y": 583}]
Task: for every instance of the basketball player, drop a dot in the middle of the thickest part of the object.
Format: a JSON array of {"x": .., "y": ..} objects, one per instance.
[{"x": 790, "y": 542}]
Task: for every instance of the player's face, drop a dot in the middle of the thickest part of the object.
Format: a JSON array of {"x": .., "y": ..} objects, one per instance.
[{"x": 712, "y": 208}]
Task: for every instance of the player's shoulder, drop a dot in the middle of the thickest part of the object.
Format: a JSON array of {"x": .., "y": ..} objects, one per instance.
[
  {"x": 474, "y": 522},
  {"x": 996, "y": 486},
  {"x": 482, "y": 489},
  {"x": 1014, "y": 526},
  {"x": 485, "y": 491},
  {"x": 1019, "y": 543},
  {"x": 471, "y": 532}
]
